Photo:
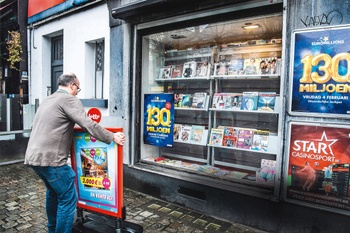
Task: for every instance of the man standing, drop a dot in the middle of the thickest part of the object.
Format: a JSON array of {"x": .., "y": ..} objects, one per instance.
[{"x": 49, "y": 145}]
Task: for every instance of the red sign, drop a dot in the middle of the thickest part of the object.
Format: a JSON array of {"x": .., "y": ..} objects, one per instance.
[
  {"x": 319, "y": 164},
  {"x": 95, "y": 114},
  {"x": 37, "y": 6}
]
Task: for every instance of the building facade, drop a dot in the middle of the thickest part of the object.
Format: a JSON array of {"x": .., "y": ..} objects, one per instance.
[{"x": 210, "y": 95}]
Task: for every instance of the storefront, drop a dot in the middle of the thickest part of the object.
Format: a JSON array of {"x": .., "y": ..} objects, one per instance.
[
  {"x": 213, "y": 72},
  {"x": 211, "y": 119}
]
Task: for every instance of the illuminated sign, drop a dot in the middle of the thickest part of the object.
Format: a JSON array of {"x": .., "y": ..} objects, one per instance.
[{"x": 320, "y": 74}]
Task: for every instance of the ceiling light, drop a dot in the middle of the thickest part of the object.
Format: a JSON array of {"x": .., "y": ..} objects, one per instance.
[{"x": 251, "y": 26}]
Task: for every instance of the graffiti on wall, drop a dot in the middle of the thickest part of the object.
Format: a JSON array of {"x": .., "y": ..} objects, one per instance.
[{"x": 332, "y": 18}]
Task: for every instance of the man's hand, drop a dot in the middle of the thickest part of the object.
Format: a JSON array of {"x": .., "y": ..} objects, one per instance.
[{"x": 119, "y": 138}]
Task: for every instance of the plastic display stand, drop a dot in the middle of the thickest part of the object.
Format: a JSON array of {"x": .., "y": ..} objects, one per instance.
[
  {"x": 96, "y": 223},
  {"x": 100, "y": 196}
]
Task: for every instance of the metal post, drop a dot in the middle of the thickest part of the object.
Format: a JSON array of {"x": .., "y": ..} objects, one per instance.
[{"x": 8, "y": 115}]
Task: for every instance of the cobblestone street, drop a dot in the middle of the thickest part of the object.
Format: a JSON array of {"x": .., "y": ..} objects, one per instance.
[{"x": 22, "y": 208}]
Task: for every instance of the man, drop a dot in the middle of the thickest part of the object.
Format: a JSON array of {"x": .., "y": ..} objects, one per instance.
[{"x": 49, "y": 145}]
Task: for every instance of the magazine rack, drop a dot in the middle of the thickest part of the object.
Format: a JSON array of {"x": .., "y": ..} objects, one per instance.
[{"x": 240, "y": 72}]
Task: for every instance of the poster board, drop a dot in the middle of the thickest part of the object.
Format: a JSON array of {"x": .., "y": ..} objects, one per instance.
[
  {"x": 320, "y": 66},
  {"x": 159, "y": 119},
  {"x": 317, "y": 171},
  {"x": 99, "y": 173}
]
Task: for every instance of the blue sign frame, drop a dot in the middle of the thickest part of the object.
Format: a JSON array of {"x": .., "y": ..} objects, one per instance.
[
  {"x": 320, "y": 71},
  {"x": 159, "y": 120}
]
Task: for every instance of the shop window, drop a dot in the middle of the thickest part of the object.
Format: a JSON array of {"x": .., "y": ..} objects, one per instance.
[
  {"x": 94, "y": 77},
  {"x": 225, "y": 79}
]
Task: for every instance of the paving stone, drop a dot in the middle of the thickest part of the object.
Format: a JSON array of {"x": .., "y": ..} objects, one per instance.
[
  {"x": 22, "y": 209},
  {"x": 23, "y": 227},
  {"x": 10, "y": 225}
]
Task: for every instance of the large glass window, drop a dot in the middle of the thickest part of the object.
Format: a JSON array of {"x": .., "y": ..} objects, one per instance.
[
  {"x": 95, "y": 51},
  {"x": 226, "y": 81}
]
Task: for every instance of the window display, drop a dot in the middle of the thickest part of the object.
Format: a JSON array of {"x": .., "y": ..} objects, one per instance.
[{"x": 226, "y": 82}]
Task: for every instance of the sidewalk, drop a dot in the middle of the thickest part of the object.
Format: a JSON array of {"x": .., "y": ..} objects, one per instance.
[{"x": 22, "y": 209}]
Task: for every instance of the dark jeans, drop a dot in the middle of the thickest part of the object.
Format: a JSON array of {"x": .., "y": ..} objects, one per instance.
[{"x": 61, "y": 197}]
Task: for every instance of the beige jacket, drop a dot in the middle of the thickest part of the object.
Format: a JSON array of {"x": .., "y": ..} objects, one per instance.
[{"x": 53, "y": 127}]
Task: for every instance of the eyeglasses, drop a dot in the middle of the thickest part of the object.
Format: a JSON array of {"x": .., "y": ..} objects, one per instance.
[{"x": 78, "y": 88}]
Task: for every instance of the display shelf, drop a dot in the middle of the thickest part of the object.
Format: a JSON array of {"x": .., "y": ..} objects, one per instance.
[
  {"x": 192, "y": 109},
  {"x": 183, "y": 79},
  {"x": 237, "y": 166},
  {"x": 176, "y": 55},
  {"x": 242, "y": 111},
  {"x": 241, "y": 149},
  {"x": 275, "y": 49},
  {"x": 247, "y": 76},
  {"x": 192, "y": 143},
  {"x": 185, "y": 157}
]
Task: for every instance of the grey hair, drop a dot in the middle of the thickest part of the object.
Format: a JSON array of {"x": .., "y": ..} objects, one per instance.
[{"x": 66, "y": 79}]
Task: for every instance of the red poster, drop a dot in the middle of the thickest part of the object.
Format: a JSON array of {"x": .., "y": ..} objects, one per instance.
[{"x": 318, "y": 165}]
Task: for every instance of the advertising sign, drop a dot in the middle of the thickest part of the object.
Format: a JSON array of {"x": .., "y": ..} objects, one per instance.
[
  {"x": 159, "y": 120},
  {"x": 95, "y": 114},
  {"x": 318, "y": 165},
  {"x": 98, "y": 168},
  {"x": 320, "y": 72}
]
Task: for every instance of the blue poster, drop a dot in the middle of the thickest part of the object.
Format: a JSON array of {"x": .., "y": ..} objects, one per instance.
[
  {"x": 96, "y": 169},
  {"x": 159, "y": 120},
  {"x": 321, "y": 74}
]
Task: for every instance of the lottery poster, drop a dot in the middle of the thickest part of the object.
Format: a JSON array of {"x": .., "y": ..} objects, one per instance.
[
  {"x": 99, "y": 182},
  {"x": 319, "y": 165},
  {"x": 159, "y": 120},
  {"x": 320, "y": 62}
]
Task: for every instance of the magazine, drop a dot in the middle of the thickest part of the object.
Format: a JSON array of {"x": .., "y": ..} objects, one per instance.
[
  {"x": 203, "y": 69},
  {"x": 199, "y": 100},
  {"x": 197, "y": 134},
  {"x": 189, "y": 69},
  {"x": 221, "y": 68},
  {"x": 235, "y": 67},
  {"x": 167, "y": 72},
  {"x": 250, "y": 101},
  {"x": 266, "y": 173},
  {"x": 185, "y": 133},
  {"x": 260, "y": 140},
  {"x": 176, "y": 71},
  {"x": 177, "y": 131},
  {"x": 230, "y": 136},
  {"x": 186, "y": 101},
  {"x": 245, "y": 138},
  {"x": 177, "y": 100},
  {"x": 216, "y": 137},
  {"x": 266, "y": 101},
  {"x": 233, "y": 101},
  {"x": 219, "y": 100},
  {"x": 251, "y": 67}
]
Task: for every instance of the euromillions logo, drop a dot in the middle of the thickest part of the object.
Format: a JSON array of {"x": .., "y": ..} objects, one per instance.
[{"x": 324, "y": 39}]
